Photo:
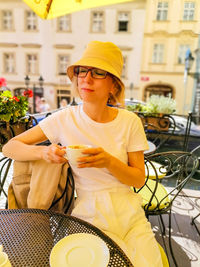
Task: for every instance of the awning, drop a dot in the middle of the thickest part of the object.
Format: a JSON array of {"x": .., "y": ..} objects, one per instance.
[{"x": 48, "y": 9}]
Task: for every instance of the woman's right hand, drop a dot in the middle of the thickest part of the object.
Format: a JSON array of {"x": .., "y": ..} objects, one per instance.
[{"x": 54, "y": 153}]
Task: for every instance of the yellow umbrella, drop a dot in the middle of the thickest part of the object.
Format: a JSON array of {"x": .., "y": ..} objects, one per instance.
[{"x": 48, "y": 9}]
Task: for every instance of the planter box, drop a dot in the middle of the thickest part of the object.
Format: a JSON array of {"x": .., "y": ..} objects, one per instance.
[
  {"x": 160, "y": 123},
  {"x": 8, "y": 130}
]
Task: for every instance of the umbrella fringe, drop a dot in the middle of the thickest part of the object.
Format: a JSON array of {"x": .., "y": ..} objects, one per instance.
[{"x": 49, "y": 5}]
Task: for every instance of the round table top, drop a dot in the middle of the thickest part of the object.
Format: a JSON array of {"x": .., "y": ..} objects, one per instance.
[
  {"x": 28, "y": 236},
  {"x": 151, "y": 149}
]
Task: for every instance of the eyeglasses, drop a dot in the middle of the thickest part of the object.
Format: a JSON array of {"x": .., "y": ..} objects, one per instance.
[{"x": 82, "y": 72}]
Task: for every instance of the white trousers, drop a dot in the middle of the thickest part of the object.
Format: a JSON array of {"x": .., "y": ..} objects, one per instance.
[{"x": 118, "y": 213}]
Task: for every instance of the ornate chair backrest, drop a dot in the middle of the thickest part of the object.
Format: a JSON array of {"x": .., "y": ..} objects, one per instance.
[
  {"x": 5, "y": 164},
  {"x": 159, "y": 128},
  {"x": 178, "y": 166},
  {"x": 68, "y": 193},
  {"x": 65, "y": 190},
  {"x": 187, "y": 132}
]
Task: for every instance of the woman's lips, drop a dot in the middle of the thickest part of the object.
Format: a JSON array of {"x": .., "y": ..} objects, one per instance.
[{"x": 87, "y": 89}]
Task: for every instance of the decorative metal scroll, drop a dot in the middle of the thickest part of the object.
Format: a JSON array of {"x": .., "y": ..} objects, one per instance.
[
  {"x": 159, "y": 128},
  {"x": 178, "y": 165}
]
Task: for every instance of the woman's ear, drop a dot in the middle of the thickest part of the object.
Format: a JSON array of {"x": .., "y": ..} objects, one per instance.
[
  {"x": 113, "y": 88},
  {"x": 113, "y": 91}
]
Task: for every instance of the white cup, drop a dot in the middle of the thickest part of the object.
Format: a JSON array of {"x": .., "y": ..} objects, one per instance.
[
  {"x": 4, "y": 261},
  {"x": 73, "y": 152}
]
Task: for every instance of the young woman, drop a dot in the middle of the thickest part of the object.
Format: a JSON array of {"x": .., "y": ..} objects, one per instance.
[{"x": 115, "y": 161}]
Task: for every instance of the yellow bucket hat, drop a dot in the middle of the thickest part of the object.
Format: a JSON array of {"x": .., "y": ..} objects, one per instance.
[{"x": 103, "y": 55}]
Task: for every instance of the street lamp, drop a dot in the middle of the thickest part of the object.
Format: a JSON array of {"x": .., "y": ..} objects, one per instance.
[
  {"x": 131, "y": 89},
  {"x": 73, "y": 103},
  {"x": 27, "y": 81},
  {"x": 188, "y": 64},
  {"x": 41, "y": 81},
  {"x": 189, "y": 59}
]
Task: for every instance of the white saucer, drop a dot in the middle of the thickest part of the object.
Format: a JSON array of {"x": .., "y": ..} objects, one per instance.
[{"x": 78, "y": 250}]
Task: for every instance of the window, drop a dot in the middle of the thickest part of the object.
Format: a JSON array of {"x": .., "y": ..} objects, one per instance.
[
  {"x": 31, "y": 21},
  {"x": 158, "y": 89},
  {"x": 7, "y": 20},
  {"x": 64, "y": 23},
  {"x": 158, "y": 51},
  {"x": 188, "y": 13},
  {"x": 63, "y": 63},
  {"x": 63, "y": 97},
  {"x": 97, "y": 21},
  {"x": 32, "y": 64},
  {"x": 124, "y": 68},
  {"x": 181, "y": 53},
  {"x": 123, "y": 21},
  {"x": 162, "y": 10},
  {"x": 9, "y": 63}
]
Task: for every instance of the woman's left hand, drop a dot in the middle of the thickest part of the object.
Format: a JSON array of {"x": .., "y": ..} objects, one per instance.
[{"x": 96, "y": 157}]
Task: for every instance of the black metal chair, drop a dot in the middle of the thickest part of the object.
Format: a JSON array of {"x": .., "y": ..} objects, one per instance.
[
  {"x": 67, "y": 194},
  {"x": 194, "y": 223},
  {"x": 5, "y": 164},
  {"x": 197, "y": 153},
  {"x": 8, "y": 131},
  {"x": 157, "y": 199}
]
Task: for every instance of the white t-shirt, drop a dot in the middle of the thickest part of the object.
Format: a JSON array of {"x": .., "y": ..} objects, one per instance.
[{"x": 73, "y": 126}]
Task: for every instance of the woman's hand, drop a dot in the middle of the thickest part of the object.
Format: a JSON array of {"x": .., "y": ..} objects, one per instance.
[
  {"x": 131, "y": 174},
  {"x": 97, "y": 158},
  {"x": 54, "y": 153}
]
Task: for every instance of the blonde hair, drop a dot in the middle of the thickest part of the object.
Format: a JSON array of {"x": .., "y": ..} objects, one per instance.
[{"x": 116, "y": 99}]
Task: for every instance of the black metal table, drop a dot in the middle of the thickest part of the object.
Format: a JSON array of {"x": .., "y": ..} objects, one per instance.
[{"x": 28, "y": 235}]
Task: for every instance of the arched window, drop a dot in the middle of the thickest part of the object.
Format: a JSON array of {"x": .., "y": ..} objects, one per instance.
[{"x": 158, "y": 89}]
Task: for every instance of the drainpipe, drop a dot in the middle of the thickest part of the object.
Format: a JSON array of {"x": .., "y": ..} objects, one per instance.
[{"x": 196, "y": 76}]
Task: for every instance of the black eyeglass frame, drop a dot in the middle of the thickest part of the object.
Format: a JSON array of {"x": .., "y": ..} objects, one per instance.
[{"x": 76, "y": 72}]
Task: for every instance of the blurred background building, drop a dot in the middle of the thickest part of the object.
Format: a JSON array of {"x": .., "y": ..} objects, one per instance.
[
  {"x": 171, "y": 28},
  {"x": 153, "y": 35},
  {"x": 35, "y": 47}
]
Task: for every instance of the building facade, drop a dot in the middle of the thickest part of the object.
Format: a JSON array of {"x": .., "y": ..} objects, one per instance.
[
  {"x": 34, "y": 47},
  {"x": 171, "y": 28}
]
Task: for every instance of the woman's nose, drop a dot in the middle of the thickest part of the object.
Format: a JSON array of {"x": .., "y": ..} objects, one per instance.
[{"x": 88, "y": 77}]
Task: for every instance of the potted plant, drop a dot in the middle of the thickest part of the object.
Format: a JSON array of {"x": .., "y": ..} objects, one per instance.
[
  {"x": 155, "y": 114},
  {"x": 13, "y": 119},
  {"x": 159, "y": 104}
]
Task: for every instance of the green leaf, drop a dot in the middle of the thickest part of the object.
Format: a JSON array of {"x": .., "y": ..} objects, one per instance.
[{"x": 11, "y": 109}]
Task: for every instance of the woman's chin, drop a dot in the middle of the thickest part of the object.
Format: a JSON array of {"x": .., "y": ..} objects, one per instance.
[{"x": 87, "y": 97}]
